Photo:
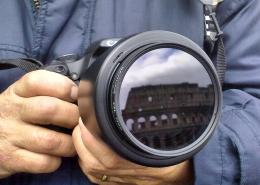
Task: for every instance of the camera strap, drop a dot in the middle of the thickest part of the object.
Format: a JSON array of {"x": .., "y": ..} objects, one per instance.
[
  {"x": 26, "y": 64},
  {"x": 213, "y": 44}
]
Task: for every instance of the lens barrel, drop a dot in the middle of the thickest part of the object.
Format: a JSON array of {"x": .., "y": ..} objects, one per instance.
[{"x": 157, "y": 96}]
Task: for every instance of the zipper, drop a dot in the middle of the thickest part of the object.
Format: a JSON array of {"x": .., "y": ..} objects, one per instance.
[{"x": 36, "y": 4}]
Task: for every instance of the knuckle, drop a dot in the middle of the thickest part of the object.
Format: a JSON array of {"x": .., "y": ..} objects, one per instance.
[
  {"x": 49, "y": 141},
  {"x": 75, "y": 110},
  {"x": 6, "y": 160},
  {"x": 70, "y": 151},
  {"x": 10, "y": 105},
  {"x": 87, "y": 170},
  {"x": 47, "y": 108},
  {"x": 69, "y": 114},
  {"x": 64, "y": 88},
  {"x": 48, "y": 164},
  {"x": 31, "y": 80},
  {"x": 92, "y": 167},
  {"x": 74, "y": 114}
]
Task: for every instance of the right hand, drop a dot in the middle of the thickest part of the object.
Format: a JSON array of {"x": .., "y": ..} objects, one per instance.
[{"x": 38, "y": 98}]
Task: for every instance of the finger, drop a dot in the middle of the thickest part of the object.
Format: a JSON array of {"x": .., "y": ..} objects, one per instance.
[
  {"x": 92, "y": 164},
  {"x": 86, "y": 104},
  {"x": 93, "y": 143},
  {"x": 48, "y": 110},
  {"x": 104, "y": 154},
  {"x": 42, "y": 140},
  {"x": 29, "y": 162},
  {"x": 92, "y": 178},
  {"x": 87, "y": 162},
  {"x": 85, "y": 97},
  {"x": 45, "y": 83},
  {"x": 92, "y": 125},
  {"x": 123, "y": 172},
  {"x": 113, "y": 163}
]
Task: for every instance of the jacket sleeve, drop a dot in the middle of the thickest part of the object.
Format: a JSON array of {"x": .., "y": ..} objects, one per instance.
[
  {"x": 16, "y": 36},
  {"x": 232, "y": 155}
]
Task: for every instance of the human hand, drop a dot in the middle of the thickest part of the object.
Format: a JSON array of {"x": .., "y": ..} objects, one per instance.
[
  {"x": 38, "y": 98},
  {"x": 96, "y": 159}
]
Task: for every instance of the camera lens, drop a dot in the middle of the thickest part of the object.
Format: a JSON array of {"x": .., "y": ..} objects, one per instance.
[
  {"x": 156, "y": 96},
  {"x": 166, "y": 100}
]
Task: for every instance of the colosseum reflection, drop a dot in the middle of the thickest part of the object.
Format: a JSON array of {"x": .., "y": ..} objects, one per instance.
[{"x": 168, "y": 117}]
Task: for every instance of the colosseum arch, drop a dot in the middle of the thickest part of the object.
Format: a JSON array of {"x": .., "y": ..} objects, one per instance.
[
  {"x": 130, "y": 123},
  {"x": 141, "y": 121},
  {"x": 174, "y": 119},
  {"x": 153, "y": 120},
  {"x": 164, "y": 119}
]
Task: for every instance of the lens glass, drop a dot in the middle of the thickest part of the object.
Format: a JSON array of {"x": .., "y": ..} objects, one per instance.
[{"x": 166, "y": 99}]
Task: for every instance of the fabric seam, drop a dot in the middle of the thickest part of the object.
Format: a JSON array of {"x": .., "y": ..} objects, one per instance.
[
  {"x": 88, "y": 25},
  {"x": 235, "y": 142},
  {"x": 9, "y": 46},
  {"x": 231, "y": 11},
  {"x": 246, "y": 121},
  {"x": 221, "y": 157},
  {"x": 15, "y": 51},
  {"x": 243, "y": 179},
  {"x": 39, "y": 29}
]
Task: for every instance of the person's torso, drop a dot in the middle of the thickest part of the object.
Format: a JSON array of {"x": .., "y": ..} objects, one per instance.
[{"x": 69, "y": 27}]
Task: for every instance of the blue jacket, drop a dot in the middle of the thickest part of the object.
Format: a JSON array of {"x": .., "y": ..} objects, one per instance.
[{"x": 69, "y": 26}]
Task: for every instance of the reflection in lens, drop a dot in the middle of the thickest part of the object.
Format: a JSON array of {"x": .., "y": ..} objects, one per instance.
[{"x": 166, "y": 99}]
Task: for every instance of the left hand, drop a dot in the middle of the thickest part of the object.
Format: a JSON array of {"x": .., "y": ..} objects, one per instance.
[{"x": 96, "y": 159}]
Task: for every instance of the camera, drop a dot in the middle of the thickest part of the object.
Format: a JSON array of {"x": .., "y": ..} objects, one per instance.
[{"x": 157, "y": 96}]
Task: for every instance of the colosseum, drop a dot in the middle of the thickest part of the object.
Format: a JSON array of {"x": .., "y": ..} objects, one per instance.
[{"x": 168, "y": 117}]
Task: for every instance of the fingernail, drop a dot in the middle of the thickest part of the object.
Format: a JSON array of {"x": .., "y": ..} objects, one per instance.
[
  {"x": 74, "y": 93},
  {"x": 81, "y": 128},
  {"x": 81, "y": 125}
]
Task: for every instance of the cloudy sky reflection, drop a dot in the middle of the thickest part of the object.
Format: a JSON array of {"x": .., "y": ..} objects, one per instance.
[{"x": 163, "y": 66}]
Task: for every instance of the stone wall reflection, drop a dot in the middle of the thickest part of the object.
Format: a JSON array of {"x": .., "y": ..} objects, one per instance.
[{"x": 168, "y": 117}]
